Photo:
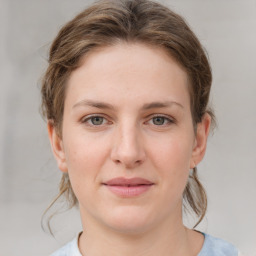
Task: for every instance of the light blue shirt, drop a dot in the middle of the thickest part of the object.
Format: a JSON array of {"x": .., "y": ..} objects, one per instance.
[
  {"x": 212, "y": 247},
  {"x": 217, "y": 247}
]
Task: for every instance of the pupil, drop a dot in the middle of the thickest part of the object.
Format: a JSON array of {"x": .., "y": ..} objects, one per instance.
[
  {"x": 97, "y": 120},
  {"x": 158, "y": 120}
]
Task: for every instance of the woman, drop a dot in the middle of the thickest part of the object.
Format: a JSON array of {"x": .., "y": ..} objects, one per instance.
[{"x": 126, "y": 99}]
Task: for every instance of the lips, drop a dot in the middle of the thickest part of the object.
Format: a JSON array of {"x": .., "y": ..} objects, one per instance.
[
  {"x": 120, "y": 181},
  {"x": 128, "y": 187}
]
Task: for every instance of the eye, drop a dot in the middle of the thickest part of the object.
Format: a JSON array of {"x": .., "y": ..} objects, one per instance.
[
  {"x": 94, "y": 120},
  {"x": 161, "y": 120}
]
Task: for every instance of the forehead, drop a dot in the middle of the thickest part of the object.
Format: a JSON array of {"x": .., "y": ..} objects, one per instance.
[
  {"x": 130, "y": 53},
  {"x": 134, "y": 70}
]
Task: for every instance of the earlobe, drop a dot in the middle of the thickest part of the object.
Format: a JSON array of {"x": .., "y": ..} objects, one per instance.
[
  {"x": 202, "y": 133},
  {"x": 57, "y": 147}
]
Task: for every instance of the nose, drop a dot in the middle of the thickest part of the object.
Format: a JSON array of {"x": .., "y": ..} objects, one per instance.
[{"x": 128, "y": 148}]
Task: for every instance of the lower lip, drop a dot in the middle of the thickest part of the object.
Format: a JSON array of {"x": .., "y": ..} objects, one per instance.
[{"x": 129, "y": 191}]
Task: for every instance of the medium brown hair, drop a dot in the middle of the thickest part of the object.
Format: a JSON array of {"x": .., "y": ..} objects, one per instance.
[{"x": 108, "y": 22}]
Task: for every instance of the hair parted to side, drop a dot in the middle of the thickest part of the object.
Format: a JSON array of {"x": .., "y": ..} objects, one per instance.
[{"x": 108, "y": 22}]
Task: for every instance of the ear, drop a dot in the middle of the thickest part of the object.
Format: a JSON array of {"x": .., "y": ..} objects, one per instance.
[
  {"x": 202, "y": 133},
  {"x": 57, "y": 147}
]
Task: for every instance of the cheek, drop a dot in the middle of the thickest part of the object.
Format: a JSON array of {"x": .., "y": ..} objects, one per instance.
[
  {"x": 172, "y": 159},
  {"x": 83, "y": 150},
  {"x": 173, "y": 153},
  {"x": 84, "y": 159}
]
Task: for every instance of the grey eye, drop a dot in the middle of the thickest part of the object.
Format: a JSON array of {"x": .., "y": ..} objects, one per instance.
[
  {"x": 97, "y": 120},
  {"x": 158, "y": 120}
]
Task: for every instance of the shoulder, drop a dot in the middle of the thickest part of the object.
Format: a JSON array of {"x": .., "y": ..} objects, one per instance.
[
  {"x": 70, "y": 249},
  {"x": 217, "y": 247}
]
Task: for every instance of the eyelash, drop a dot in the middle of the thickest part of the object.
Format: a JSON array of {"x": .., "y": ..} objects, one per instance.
[
  {"x": 89, "y": 118},
  {"x": 166, "y": 119}
]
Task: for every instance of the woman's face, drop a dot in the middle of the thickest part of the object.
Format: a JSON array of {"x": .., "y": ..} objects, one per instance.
[{"x": 128, "y": 141}]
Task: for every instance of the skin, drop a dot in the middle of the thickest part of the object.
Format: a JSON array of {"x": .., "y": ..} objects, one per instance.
[{"x": 127, "y": 141}]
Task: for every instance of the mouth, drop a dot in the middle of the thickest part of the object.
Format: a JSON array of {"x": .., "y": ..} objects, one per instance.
[{"x": 128, "y": 187}]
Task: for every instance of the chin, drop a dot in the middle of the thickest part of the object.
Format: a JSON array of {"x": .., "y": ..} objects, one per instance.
[{"x": 129, "y": 220}]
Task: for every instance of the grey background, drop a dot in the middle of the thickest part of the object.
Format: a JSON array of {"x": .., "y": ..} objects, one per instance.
[{"x": 28, "y": 174}]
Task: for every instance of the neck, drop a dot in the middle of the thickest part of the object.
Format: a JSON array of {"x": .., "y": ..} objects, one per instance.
[{"x": 165, "y": 240}]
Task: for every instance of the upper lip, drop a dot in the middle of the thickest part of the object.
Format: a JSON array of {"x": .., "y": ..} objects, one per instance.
[{"x": 121, "y": 181}]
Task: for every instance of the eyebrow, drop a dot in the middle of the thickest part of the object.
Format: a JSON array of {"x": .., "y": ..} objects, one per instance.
[
  {"x": 161, "y": 105},
  {"x": 147, "y": 106},
  {"x": 95, "y": 104}
]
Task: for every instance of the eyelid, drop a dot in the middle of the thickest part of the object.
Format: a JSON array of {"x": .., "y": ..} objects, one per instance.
[
  {"x": 149, "y": 118},
  {"x": 167, "y": 117},
  {"x": 85, "y": 119}
]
